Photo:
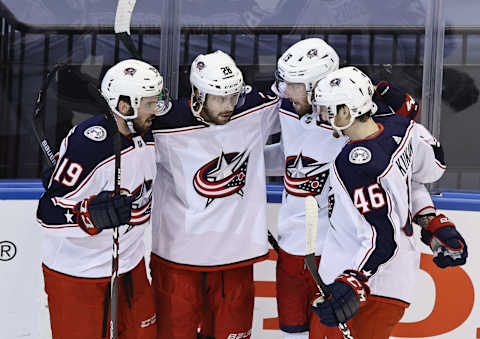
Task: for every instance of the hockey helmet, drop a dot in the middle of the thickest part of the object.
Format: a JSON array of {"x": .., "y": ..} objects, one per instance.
[
  {"x": 217, "y": 74},
  {"x": 306, "y": 62},
  {"x": 347, "y": 86},
  {"x": 134, "y": 79}
]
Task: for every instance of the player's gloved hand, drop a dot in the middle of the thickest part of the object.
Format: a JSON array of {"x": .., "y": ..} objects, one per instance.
[
  {"x": 446, "y": 243},
  {"x": 347, "y": 294},
  {"x": 401, "y": 102},
  {"x": 102, "y": 211}
]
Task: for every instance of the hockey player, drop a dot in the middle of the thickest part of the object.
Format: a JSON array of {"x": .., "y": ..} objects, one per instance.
[
  {"x": 369, "y": 260},
  {"x": 78, "y": 211},
  {"x": 210, "y": 224},
  {"x": 306, "y": 148}
]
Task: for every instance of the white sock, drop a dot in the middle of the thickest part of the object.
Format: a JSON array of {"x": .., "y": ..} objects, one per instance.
[{"x": 301, "y": 335}]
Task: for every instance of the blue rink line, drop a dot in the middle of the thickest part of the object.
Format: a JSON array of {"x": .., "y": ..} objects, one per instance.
[{"x": 31, "y": 189}]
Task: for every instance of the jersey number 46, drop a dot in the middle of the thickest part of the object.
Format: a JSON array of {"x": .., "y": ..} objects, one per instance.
[{"x": 376, "y": 198}]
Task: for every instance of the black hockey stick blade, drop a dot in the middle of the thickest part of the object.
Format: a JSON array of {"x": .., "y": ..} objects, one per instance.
[{"x": 129, "y": 44}]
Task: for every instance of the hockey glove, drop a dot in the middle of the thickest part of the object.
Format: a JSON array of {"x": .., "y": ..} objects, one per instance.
[
  {"x": 103, "y": 211},
  {"x": 347, "y": 294},
  {"x": 446, "y": 243},
  {"x": 402, "y": 103}
]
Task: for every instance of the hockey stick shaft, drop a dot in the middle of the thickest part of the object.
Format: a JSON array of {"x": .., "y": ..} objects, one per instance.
[
  {"x": 38, "y": 110},
  {"x": 273, "y": 242},
  {"x": 114, "y": 279},
  {"x": 123, "y": 17},
  {"x": 311, "y": 225}
]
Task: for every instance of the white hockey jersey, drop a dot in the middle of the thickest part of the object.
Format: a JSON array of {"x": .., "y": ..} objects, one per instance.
[
  {"x": 86, "y": 167},
  {"x": 371, "y": 208},
  {"x": 306, "y": 147},
  {"x": 210, "y": 196}
]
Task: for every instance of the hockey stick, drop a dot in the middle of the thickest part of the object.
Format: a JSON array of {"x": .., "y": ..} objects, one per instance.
[
  {"x": 273, "y": 242},
  {"x": 114, "y": 280},
  {"x": 38, "y": 109},
  {"x": 311, "y": 225},
  {"x": 123, "y": 17}
]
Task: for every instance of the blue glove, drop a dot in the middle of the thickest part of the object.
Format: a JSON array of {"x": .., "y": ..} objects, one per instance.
[
  {"x": 102, "y": 211},
  {"x": 446, "y": 243},
  {"x": 346, "y": 295},
  {"x": 401, "y": 102}
]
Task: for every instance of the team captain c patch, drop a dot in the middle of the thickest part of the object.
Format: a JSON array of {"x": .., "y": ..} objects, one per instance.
[
  {"x": 96, "y": 133},
  {"x": 360, "y": 155}
]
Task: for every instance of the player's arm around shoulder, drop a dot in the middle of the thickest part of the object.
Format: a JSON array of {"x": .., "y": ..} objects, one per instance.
[{"x": 265, "y": 103}]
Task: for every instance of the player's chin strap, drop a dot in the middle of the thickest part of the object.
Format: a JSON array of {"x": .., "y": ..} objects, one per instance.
[{"x": 340, "y": 130}]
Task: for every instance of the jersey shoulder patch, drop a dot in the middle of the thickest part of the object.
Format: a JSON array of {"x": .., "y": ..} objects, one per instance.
[
  {"x": 92, "y": 132},
  {"x": 359, "y": 155},
  {"x": 96, "y": 133},
  {"x": 363, "y": 158}
]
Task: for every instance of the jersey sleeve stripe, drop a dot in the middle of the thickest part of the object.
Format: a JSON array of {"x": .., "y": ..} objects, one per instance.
[
  {"x": 178, "y": 130},
  {"x": 370, "y": 250},
  {"x": 290, "y": 114},
  {"x": 254, "y": 109},
  {"x": 56, "y": 226}
]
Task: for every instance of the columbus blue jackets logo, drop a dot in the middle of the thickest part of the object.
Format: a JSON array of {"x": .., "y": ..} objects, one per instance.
[
  {"x": 312, "y": 53},
  {"x": 142, "y": 204},
  {"x": 222, "y": 176},
  {"x": 335, "y": 82},
  {"x": 200, "y": 65},
  {"x": 304, "y": 176},
  {"x": 129, "y": 71}
]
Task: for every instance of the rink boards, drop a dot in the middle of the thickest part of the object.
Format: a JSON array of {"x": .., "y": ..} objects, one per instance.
[{"x": 445, "y": 305}]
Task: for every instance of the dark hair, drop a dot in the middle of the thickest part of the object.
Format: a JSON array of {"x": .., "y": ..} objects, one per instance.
[{"x": 362, "y": 118}]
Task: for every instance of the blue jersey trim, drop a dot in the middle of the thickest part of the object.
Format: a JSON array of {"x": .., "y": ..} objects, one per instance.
[{"x": 31, "y": 189}]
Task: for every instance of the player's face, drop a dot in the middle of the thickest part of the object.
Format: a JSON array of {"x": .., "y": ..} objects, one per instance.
[
  {"x": 341, "y": 119},
  {"x": 146, "y": 114},
  {"x": 297, "y": 94},
  {"x": 219, "y": 109},
  {"x": 324, "y": 114}
]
